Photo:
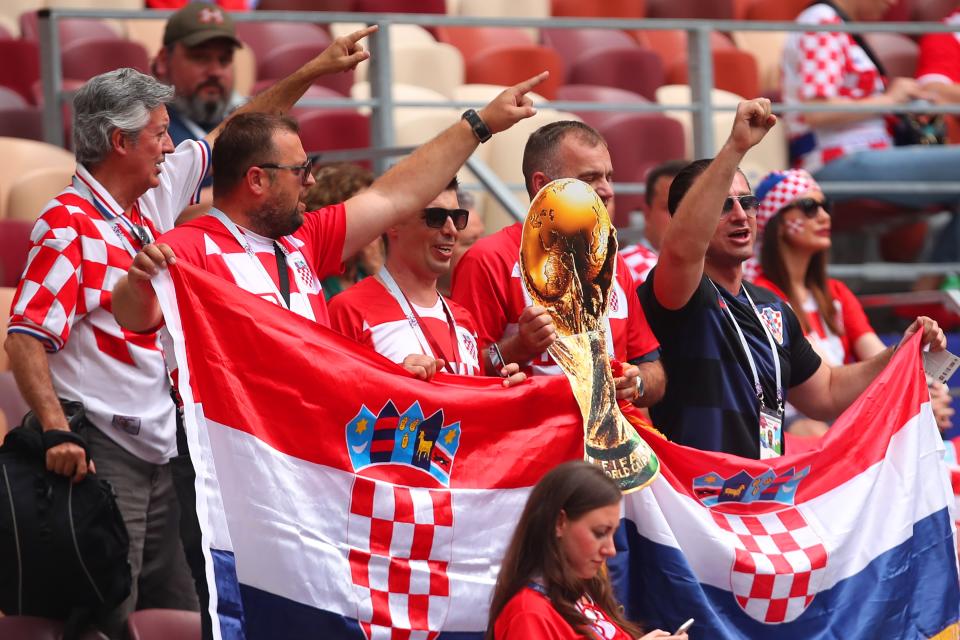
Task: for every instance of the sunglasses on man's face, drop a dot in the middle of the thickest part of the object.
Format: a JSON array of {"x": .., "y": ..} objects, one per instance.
[
  {"x": 809, "y": 207},
  {"x": 303, "y": 170},
  {"x": 436, "y": 217},
  {"x": 748, "y": 203}
]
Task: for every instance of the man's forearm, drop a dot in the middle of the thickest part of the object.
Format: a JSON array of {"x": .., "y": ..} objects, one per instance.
[
  {"x": 513, "y": 350},
  {"x": 654, "y": 383},
  {"x": 847, "y": 382},
  {"x": 135, "y": 308},
  {"x": 31, "y": 370}
]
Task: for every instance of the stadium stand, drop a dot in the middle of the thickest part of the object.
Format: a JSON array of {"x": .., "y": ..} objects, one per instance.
[
  {"x": 897, "y": 52},
  {"x": 25, "y": 121},
  {"x": 509, "y": 65},
  {"x": 409, "y": 60},
  {"x": 21, "y": 66},
  {"x": 597, "y": 93},
  {"x": 21, "y": 158},
  {"x": 334, "y": 129},
  {"x": 688, "y": 9},
  {"x": 83, "y": 59},
  {"x": 599, "y": 8},
  {"x": 14, "y": 245},
  {"x": 733, "y": 70},
  {"x": 32, "y": 190},
  {"x": 629, "y": 68},
  {"x": 573, "y": 44}
]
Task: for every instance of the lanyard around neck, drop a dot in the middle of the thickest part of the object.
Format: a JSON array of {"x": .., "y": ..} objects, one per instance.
[
  {"x": 251, "y": 254},
  {"x": 428, "y": 344},
  {"x": 140, "y": 232},
  {"x": 746, "y": 347}
]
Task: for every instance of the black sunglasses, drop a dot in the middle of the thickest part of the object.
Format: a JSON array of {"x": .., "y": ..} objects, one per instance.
[
  {"x": 303, "y": 169},
  {"x": 436, "y": 217},
  {"x": 748, "y": 202},
  {"x": 809, "y": 207}
]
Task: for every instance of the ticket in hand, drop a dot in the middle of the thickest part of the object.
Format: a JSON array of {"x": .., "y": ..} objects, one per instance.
[{"x": 940, "y": 365}]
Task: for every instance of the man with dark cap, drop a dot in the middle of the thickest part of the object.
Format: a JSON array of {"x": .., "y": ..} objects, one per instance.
[{"x": 197, "y": 60}]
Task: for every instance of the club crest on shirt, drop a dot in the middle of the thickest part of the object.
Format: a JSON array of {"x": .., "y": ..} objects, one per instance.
[{"x": 774, "y": 321}]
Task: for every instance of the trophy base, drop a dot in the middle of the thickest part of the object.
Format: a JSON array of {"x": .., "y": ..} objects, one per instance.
[{"x": 631, "y": 464}]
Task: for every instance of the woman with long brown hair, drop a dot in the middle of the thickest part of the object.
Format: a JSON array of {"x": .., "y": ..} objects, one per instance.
[{"x": 553, "y": 582}]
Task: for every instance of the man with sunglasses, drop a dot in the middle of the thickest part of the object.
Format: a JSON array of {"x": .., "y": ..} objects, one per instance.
[
  {"x": 400, "y": 314},
  {"x": 731, "y": 349},
  {"x": 487, "y": 278}
]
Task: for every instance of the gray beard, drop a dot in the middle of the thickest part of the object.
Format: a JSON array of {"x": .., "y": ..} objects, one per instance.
[{"x": 200, "y": 111}]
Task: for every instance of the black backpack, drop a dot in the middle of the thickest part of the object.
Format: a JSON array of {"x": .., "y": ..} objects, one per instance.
[{"x": 63, "y": 546}]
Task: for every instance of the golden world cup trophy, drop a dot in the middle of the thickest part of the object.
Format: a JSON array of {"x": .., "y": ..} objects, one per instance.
[{"x": 567, "y": 256}]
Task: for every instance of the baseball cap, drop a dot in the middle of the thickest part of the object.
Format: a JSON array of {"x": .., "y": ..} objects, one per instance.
[{"x": 198, "y": 22}]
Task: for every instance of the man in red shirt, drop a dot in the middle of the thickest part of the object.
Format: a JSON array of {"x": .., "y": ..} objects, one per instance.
[{"x": 487, "y": 279}]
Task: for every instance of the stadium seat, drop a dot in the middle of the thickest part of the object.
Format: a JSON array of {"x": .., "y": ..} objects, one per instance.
[
  {"x": 630, "y": 138},
  {"x": 767, "y": 47},
  {"x": 8, "y": 28},
  {"x": 573, "y": 44},
  {"x": 399, "y": 33},
  {"x": 733, "y": 70},
  {"x": 22, "y": 122},
  {"x": 402, "y": 116},
  {"x": 334, "y": 129},
  {"x": 596, "y": 93},
  {"x": 599, "y": 8},
  {"x": 473, "y": 40},
  {"x": 21, "y": 157},
  {"x": 900, "y": 11},
  {"x": 509, "y": 65},
  {"x": 71, "y": 29},
  {"x": 671, "y": 45},
  {"x": 484, "y": 93},
  {"x": 401, "y": 6},
  {"x": 244, "y": 70},
  {"x": 630, "y": 68},
  {"x": 931, "y": 10},
  {"x": 264, "y": 37},
  {"x": 30, "y": 628},
  {"x": 506, "y": 9},
  {"x": 83, "y": 59},
  {"x": 897, "y": 53},
  {"x": 31, "y": 191},
  {"x": 21, "y": 65},
  {"x": 14, "y": 245},
  {"x": 778, "y": 11},
  {"x": 283, "y": 60},
  {"x": 163, "y": 624},
  {"x": 421, "y": 125},
  {"x": 444, "y": 61},
  {"x": 313, "y": 91},
  {"x": 11, "y": 99},
  {"x": 149, "y": 33},
  {"x": 691, "y": 9}
]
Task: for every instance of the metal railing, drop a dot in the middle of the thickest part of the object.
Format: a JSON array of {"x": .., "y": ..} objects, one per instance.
[{"x": 699, "y": 60}]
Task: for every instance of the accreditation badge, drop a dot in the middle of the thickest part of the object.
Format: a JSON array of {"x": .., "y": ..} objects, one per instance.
[{"x": 771, "y": 433}]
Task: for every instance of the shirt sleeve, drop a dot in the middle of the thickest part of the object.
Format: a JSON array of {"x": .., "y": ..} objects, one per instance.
[
  {"x": 642, "y": 345},
  {"x": 324, "y": 231},
  {"x": 664, "y": 322},
  {"x": 939, "y": 59},
  {"x": 475, "y": 287},
  {"x": 47, "y": 299},
  {"x": 182, "y": 173},
  {"x": 347, "y": 318},
  {"x": 804, "y": 361},
  {"x": 855, "y": 323}
]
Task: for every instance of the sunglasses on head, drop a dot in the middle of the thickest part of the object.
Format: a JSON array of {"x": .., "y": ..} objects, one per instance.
[
  {"x": 436, "y": 217},
  {"x": 748, "y": 203},
  {"x": 809, "y": 207}
]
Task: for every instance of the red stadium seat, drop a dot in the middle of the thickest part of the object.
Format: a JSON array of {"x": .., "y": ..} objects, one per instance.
[
  {"x": 633, "y": 69},
  {"x": 313, "y": 91},
  {"x": 71, "y": 29},
  {"x": 14, "y": 245},
  {"x": 599, "y": 8},
  {"x": 596, "y": 93},
  {"x": 11, "y": 99},
  {"x": 572, "y": 44},
  {"x": 671, "y": 45},
  {"x": 512, "y": 64},
  {"x": 401, "y": 6},
  {"x": 264, "y": 37},
  {"x": 473, "y": 40},
  {"x": 84, "y": 59},
  {"x": 22, "y": 122},
  {"x": 283, "y": 60},
  {"x": 897, "y": 52},
  {"x": 633, "y": 151},
  {"x": 333, "y": 129},
  {"x": 163, "y": 624},
  {"x": 21, "y": 66},
  {"x": 899, "y": 12},
  {"x": 734, "y": 71},
  {"x": 779, "y": 11},
  {"x": 691, "y": 9},
  {"x": 931, "y": 10}
]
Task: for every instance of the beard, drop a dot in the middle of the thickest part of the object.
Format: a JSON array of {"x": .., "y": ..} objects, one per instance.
[
  {"x": 275, "y": 220},
  {"x": 203, "y": 112}
]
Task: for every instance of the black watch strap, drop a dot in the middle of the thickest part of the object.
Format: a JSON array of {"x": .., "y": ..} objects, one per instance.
[{"x": 476, "y": 123}]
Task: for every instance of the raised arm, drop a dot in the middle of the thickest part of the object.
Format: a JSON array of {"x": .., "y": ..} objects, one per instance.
[
  {"x": 681, "y": 261},
  {"x": 412, "y": 183},
  {"x": 343, "y": 54}
]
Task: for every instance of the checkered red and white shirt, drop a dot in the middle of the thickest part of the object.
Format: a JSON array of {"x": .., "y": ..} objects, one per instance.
[
  {"x": 368, "y": 313},
  {"x": 641, "y": 259},
  {"x": 80, "y": 248},
  {"x": 312, "y": 253},
  {"x": 823, "y": 66},
  {"x": 940, "y": 55}
]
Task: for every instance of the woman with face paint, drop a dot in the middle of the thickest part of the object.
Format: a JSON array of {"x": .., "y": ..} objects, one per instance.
[
  {"x": 793, "y": 228},
  {"x": 553, "y": 582}
]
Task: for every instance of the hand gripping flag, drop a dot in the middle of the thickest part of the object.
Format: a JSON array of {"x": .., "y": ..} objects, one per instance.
[{"x": 340, "y": 498}]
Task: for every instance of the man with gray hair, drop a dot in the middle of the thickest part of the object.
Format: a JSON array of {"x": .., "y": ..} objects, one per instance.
[{"x": 63, "y": 341}]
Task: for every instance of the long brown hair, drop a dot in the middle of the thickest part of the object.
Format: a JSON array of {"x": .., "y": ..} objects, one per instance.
[
  {"x": 575, "y": 488},
  {"x": 815, "y": 279}
]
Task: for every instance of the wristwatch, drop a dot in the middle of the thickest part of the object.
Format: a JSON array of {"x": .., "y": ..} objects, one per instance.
[{"x": 476, "y": 123}]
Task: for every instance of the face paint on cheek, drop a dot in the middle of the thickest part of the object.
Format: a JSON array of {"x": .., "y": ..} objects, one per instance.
[{"x": 794, "y": 227}]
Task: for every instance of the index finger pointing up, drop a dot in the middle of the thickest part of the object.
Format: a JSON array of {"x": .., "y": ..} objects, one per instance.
[
  {"x": 529, "y": 84},
  {"x": 362, "y": 33}
]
